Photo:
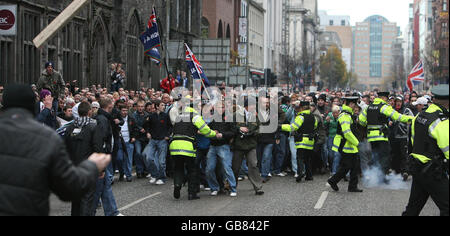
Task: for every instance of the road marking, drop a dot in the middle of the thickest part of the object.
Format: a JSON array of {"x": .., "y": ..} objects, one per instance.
[
  {"x": 321, "y": 201},
  {"x": 139, "y": 201}
]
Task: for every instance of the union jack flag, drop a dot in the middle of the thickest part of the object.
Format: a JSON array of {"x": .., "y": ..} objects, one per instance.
[
  {"x": 151, "y": 39},
  {"x": 195, "y": 67},
  {"x": 416, "y": 77}
]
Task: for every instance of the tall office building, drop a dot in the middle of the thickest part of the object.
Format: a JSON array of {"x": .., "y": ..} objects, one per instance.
[{"x": 373, "y": 54}]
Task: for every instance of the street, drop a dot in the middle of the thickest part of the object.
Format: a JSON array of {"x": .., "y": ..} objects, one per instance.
[{"x": 283, "y": 197}]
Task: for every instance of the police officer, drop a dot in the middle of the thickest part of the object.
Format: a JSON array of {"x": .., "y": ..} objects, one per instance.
[
  {"x": 429, "y": 158},
  {"x": 376, "y": 117},
  {"x": 183, "y": 147},
  {"x": 305, "y": 124},
  {"x": 346, "y": 143}
]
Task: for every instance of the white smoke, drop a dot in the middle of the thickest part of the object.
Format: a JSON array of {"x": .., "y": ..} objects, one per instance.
[{"x": 373, "y": 177}]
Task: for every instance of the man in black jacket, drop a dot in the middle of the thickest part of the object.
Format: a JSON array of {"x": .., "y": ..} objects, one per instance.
[
  {"x": 141, "y": 140},
  {"x": 79, "y": 139},
  {"x": 158, "y": 128},
  {"x": 30, "y": 172},
  {"x": 220, "y": 149},
  {"x": 105, "y": 143}
]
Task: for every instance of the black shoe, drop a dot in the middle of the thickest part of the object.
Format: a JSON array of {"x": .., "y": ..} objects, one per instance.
[
  {"x": 176, "y": 192},
  {"x": 405, "y": 177},
  {"x": 259, "y": 192},
  {"x": 193, "y": 197},
  {"x": 333, "y": 186},
  {"x": 345, "y": 179},
  {"x": 139, "y": 175},
  {"x": 121, "y": 178},
  {"x": 129, "y": 180},
  {"x": 299, "y": 179},
  {"x": 265, "y": 180},
  {"x": 356, "y": 190},
  {"x": 309, "y": 178}
]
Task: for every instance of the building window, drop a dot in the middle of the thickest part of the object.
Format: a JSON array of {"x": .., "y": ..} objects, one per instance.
[
  {"x": 343, "y": 22},
  {"x": 205, "y": 28},
  {"x": 134, "y": 49},
  {"x": 31, "y": 68},
  {"x": 444, "y": 5},
  {"x": 331, "y": 22},
  {"x": 444, "y": 30},
  {"x": 71, "y": 37},
  {"x": 7, "y": 58}
]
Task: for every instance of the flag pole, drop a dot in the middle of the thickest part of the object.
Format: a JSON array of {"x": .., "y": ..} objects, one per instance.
[
  {"x": 160, "y": 30},
  {"x": 198, "y": 72}
]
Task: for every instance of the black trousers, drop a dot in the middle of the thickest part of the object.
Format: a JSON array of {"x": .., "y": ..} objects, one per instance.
[
  {"x": 200, "y": 162},
  {"x": 304, "y": 159},
  {"x": 424, "y": 186},
  {"x": 381, "y": 155},
  {"x": 349, "y": 162},
  {"x": 399, "y": 155},
  {"x": 83, "y": 206},
  {"x": 192, "y": 173}
]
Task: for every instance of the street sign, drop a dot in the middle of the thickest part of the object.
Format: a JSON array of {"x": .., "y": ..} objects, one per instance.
[
  {"x": 8, "y": 19},
  {"x": 60, "y": 21}
]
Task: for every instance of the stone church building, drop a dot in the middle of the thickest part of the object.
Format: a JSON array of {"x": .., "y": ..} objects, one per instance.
[{"x": 104, "y": 32}]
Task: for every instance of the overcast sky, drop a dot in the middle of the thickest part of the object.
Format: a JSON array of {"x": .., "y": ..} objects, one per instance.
[{"x": 394, "y": 10}]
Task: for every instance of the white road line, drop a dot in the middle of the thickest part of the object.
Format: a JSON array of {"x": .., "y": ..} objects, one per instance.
[
  {"x": 139, "y": 201},
  {"x": 321, "y": 201}
]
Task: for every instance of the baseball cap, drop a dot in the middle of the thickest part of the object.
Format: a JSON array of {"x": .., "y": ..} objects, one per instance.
[
  {"x": 420, "y": 101},
  {"x": 95, "y": 105}
]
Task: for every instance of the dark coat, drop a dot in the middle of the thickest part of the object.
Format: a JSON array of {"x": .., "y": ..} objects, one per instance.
[
  {"x": 227, "y": 129},
  {"x": 103, "y": 133},
  {"x": 245, "y": 142},
  {"x": 140, "y": 120},
  {"x": 80, "y": 141},
  {"x": 34, "y": 163}
]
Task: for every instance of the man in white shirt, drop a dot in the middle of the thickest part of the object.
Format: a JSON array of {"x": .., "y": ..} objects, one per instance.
[{"x": 126, "y": 146}]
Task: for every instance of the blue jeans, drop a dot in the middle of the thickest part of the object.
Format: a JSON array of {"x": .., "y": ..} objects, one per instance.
[
  {"x": 103, "y": 190},
  {"x": 325, "y": 154},
  {"x": 336, "y": 162},
  {"x": 293, "y": 154},
  {"x": 138, "y": 158},
  {"x": 226, "y": 157},
  {"x": 125, "y": 162},
  {"x": 266, "y": 160},
  {"x": 280, "y": 150},
  {"x": 156, "y": 152}
]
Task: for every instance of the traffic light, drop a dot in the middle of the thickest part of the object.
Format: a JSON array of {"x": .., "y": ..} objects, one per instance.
[{"x": 273, "y": 80}]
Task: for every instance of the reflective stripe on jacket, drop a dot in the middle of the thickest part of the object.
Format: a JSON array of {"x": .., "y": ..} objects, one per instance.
[
  {"x": 184, "y": 144},
  {"x": 351, "y": 142},
  {"x": 437, "y": 130},
  {"x": 306, "y": 143},
  {"x": 374, "y": 132}
]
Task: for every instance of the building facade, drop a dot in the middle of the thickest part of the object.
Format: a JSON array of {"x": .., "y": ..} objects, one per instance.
[
  {"x": 104, "y": 32},
  {"x": 272, "y": 35},
  {"x": 340, "y": 25},
  {"x": 441, "y": 41},
  {"x": 256, "y": 35},
  {"x": 373, "y": 54}
]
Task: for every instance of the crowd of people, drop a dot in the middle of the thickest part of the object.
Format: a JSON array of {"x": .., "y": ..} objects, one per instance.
[{"x": 137, "y": 128}]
